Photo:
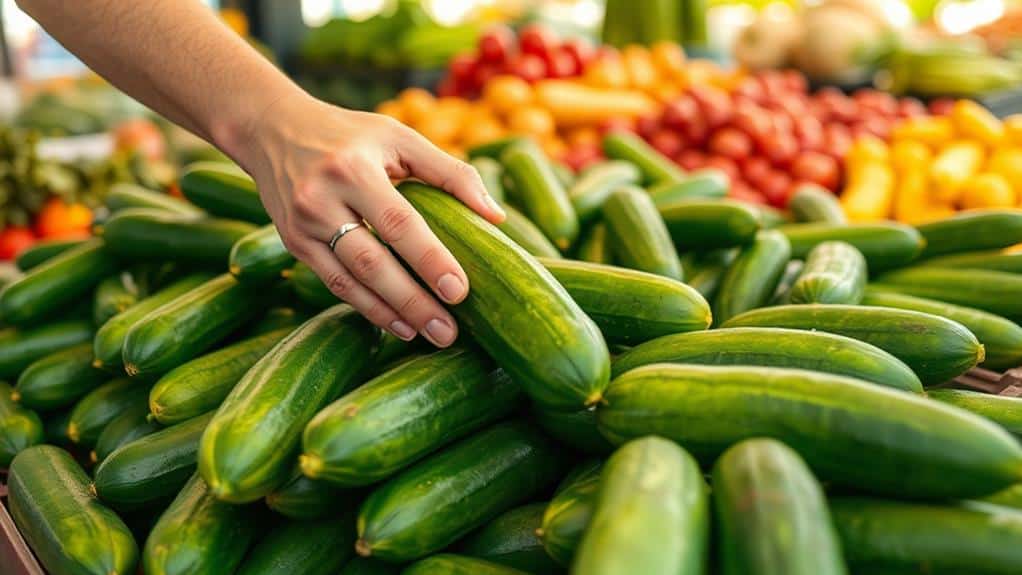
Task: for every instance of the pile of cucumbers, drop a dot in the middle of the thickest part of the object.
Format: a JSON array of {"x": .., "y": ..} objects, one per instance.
[{"x": 652, "y": 379}]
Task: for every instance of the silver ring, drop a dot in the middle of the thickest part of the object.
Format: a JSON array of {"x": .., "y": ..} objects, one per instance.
[{"x": 341, "y": 232}]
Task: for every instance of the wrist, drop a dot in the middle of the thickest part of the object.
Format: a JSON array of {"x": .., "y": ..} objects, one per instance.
[{"x": 245, "y": 134}]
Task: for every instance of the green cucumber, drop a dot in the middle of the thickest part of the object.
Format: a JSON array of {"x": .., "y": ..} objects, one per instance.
[
  {"x": 564, "y": 174},
  {"x": 199, "y": 535},
  {"x": 20, "y": 347},
  {"x": 650, "y": 516},
  {"x": 43, "y": 251},
  {"x": 114, "y": 295},
  {"x": 129, "y": 425},
  {"x": 569, "y": 513},
  {"x": 495, "y": 148},
  {"x": 541, "y": 194},
  {"x": 391, "y": 351},
  {"x": 146, "y": 235},
  {"x": 1001, "y": 338},
  {"x": 302, "y": 498},
  {"x": 309, "y": 288},
  {"x": 708, "y": 183},
  {"x": 1002, "y": 410},
  {"x": 278, "y": 318},
  {"x": 20, "y": 428},
  {"x": 834, "y": 272},
  {"x": 189, "y": 324},
  {"x": 68, "y": 529},
  {"x": 710, "y": 224},
  {"x": 709, "y": 271},
  {"x": 492, "y": 175},
  {"x": 450, "y": 564},
  {"x": 525, "y": 233},
  {"x": 1010, "y": 497},
  {"x": 55, "y": 428},
  {"x": 398, "y": 417},
  {"x": 937, "y": 349},
  {"x": 770, "y": 217},
  {"x": 123, "y": 196},
  {"x": 200, "y": 385},
  {"x": 783, "y": 291},
  {"x": 318, "y": 547},
  {"x": 151, "y": 468},
  {"x": 972, "y": 230},
  {"x": 564, "y": 363},
  {"x": 438, "y": 500},
  {"x": 772, "y": 516},
  {"x": 774, "y": 347},
  {"x": 576, "y": 429},
  {"x": 259, "y": 256},
  {"x": 59, "y": 379},
  {"x": 850, "y": 432},
  {"x": 751, "y": 280},
  {"x": 364, "y": 566},
  {"x": 631, "y": 306},
  {"x": 596, "y": 184},
  {"x": 812, "y": 203},
  {"x": 637, "y": 234},
  {"x": 994, "y": 292},
  {"x": 59, "y": 282},
  {"x": 884, "y": 245},
  {"x": 594, "y": 247},
  {"x": 655, "y": 167},
  {"x": 511, "y": 540},
  {"x": 223, "y": 190},
  {"x": 993, "y": 260},
  {"x": 101, "y": 405},
  {"x": 246, "y": 451}
]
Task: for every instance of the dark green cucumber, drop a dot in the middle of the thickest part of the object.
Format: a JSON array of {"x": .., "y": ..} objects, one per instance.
[
  {"x": 511, "y": 540},
  {"x": 569, "y": 513},
  {"x": 438, "y": 500},
  {"x": 656, "y": 168},
  {"x": 20, "y": 428},
  {"x": 710, "y": 224},
  {"x": 302, "y": 498},
  {"x": 68, "y": 529},
  {"x": 1001, "y": 338},
  {"x": 576, "y": 429},
  {"x": 774, "y": 347},
  {"x": 835, "y": 272},
  {"x": 709, "y": 271},
  {"x": 564, "y": 363},
  {"x": 109, "y": 341},
  {"x": 246, "y": 452},
  {"x": 450, "y": 564},
  {"x": 812, "y": 203},
  {"x": 189, "y": 324},
  {"x": 884, "y": 245},
  {"x": 650, "y": 516},
  {"x": 492, "y": 175},
  {"x": 972, "y": 230},
  {"x": 751, "y": 280},
  {"x": 707, "y": 183},
  {"x": 495, "y": 149},
  {"x": 259, "y": 256},
  {"x": 124, "y": 196},
  {"x": 43, "y": 251},
  {"x": 59, "y": 379},
  {"x": 400, "y": 416},
  {"x": 100, "y": 406},
  {"x": 995, "y": 292},
  {"x": 59, "y": 282},
  {"x": 783, "y": 291},
  {"x": 146, "y": 235},
  {"x": 55, "y": 428},
  {"x": 631, "y": 306},
  {"x": 771, "y": 514},
  {"x": 309, "y": 288},
  {"x": 223, "y": 190},
  {"x": 199, "y": 535},
  {"x": 278, "y": 318},
  {"x": 594, "y": 247},
  {"x": 541, "y": 194},
  {"x": 950, "y": 539},
  {"x": 637, "y": 235},
  {"x": 391, "y": 351},
  {"x": 151, "y": 468},
  {"x": 596, "y": 184},
  {"x": 525, "y": 233},
  {"x": 1002, "y": 410},
  {"x": 1010, "y": 497},
  {"x": 937, "y": 349},
  {"x": 131, "y": 424},
  {"x": 318, "y": 547},
  {"x": 114, "y": 295},
  {"x": 850, "y": 432},
  {"x": 20, "y": 347},
  {"x": 364, "y": 566},
  {"x": 993, "y": 260}
]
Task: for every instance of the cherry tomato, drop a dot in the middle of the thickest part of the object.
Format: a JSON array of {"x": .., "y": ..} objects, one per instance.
[
  {"x": 680, "y": 112},
  {"x": 528, "y": 67},
  {"x": 875, "y": 125},
  {"x": 755, "y": 169},
  {"x": 776, "y": 188},
  {"x": 793, "y": 106},
  {"x": 781, "y": 149},
  {"x": 462, "y": 67},
  {"x": 536, "y": 39},
  {"x": 691, "y": 159},
  {"x": 560, "y": 64},
  {"x": 724, "y": 164},
  {"x": 783, "y": 125},
  {"x": 580, "y": 51},
  {"x": 817, "y": 168},
  {"x": 809, "y": 131},
  {"x": 752, "y": 120},
  {"x": 667, "y": 142},
  {"x": 13, "y": 240},
  {"x": 646, "y": 126},
  {"x": 697, "y": 131},
  {"x": 715, "y": 105},
  {"x": 751, "y": 89},
  {"x": 911, "y": 108},
  {"x": 941, "y": 106},
  {"x": 743, "y": 192},
  {"x": 483, "y": 74},
  {"x": 773, "y": 83},
  {"x": 837, "y": 140},
  {"x": 619, "y": 124},
  {"x": 795, "y": 81},
  {"x": 580, "y": 156},
  {"x": 497, "y": 44},
  {"x": 731, "y": 143},
  {"x": 877, "y": 102},
  {"x": 448, "y": 87}
]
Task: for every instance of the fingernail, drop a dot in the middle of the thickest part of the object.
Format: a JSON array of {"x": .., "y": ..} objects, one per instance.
[
  {"x": 402, "y": 330},
  {"x": 451, "y": 288},
  {"x": 493, "y": 205},
  {"x": 440, "y": 332}
]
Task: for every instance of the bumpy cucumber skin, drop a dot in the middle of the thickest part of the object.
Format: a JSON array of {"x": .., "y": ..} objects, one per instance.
[
  {"x": 124, "y": 196},
  {"x": 114, "y": 295},
  {"x": 595, "y": 185},
  {"x": 20, "y": 428},
  {"x": 972, "y": 230},
  {"x": 20, "y": 347},
  {"x": 811, "y": 203},
  {"x": 752, "y": 278},
  {"x": 525, "y": 233},
  {"x": 59, "y": 379},
  {"x": 450, "y": 564},
  {"x": 131, "y": 424},
  {"x": 43, "y": 251},
  {"x": 771, "y": 514},
  {"x": 992, "y": 291},
  {"x": 850, "y": 432},
  {"x": 655, "y": 167},
  {"x": 835, "y": 272},
  {"x": 651, "y": 514},
  {"x": 146, "y": 234},
  {"x": 492, "y": 175},
  {"x": 259, "y": 256},
  {"x": 1002, "y": 410},
  {"x": 511, "y": 540},
  {"x": 309, "y": 288},
  {"x": 710, "y": 224},
  {"x": 637, "y": 234},
  {"x": 69, "y": 530},
  {"x": 593, "y": 247},
  {"x": 100, "y": 406},
  {"x": 884, "y": 245},
  {"x": 992, "y": 260},
  {"x": 302, "y": 498},
  {"x": 576, "y": 429},
  {"x": 708, "y": 183},
  {"x": 318, "y": 547},
  {"x": 568, "y": 514},
  {"x": 541, "y": 194},
  {"x": 223, "y": 190}
]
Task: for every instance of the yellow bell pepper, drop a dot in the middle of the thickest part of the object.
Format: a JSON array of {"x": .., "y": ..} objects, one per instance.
[
  {"x": 870, "y": 191},
  {"x": 987, "y": 190},
  {"x": 911, "y": 162},
  {"x": 1013, "y": 130},
  {"x": 936, "y": 132},
  {"x": 955, "y": 164},
  {"x": 1008, "y": 163},
  {"x": 975, "y": 122}
]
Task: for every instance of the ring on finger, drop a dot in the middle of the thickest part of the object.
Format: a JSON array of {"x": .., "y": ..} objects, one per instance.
[{"x": 341, "y": 232}]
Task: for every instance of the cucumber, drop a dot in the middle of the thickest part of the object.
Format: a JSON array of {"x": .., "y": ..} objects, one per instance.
[
  {"x": 511, "y": 540},
  {"x": 492, "y": 175},
  {"x": 302, "y": 498},
  {"x": 935, "y": 348},
  {"x": 525, "y": 233},
  {"x": 541, "y": 194},
  {"x": 20, "y": 347},
  {"x": 564, "y": 363},
  {"x": 594, "y": 186},
  {"x": 751, "y": 280},
  {"x": 1003, "y": 410},
  {"x": 100, "y": 406},
  {"x": 55, "y": 428},
  {"x": 363, "y": 566},
  {"x": 884, "y": 245},
  {"x": 199, "y": 535},
  {"x": 709, "y": 271},
  {"x": 59, "y": 379},
  {"x": 495, "y": 149},
  {"x": 630, "y": 306},
  {"x": 994, "y": 292},
  {"x": 114, "y": 295},
  {"x": 972, "y": 230},
  {"x": 109, "y": 341},
  {"x": 771, "y": 514},
  {"x": 569, "y": 513},
  {"x": 450, "y": 564},
  {"x": 146, "y": 235},
  {"x": 43, "y": 251},
  {"x": 247, "y": 450},
  {"x": 708, "y": 183},
  {"x": 402, "y": 415},
  {"x": 650, "y": 515},
  {"x": 278, "y": 318},
  {"x": 68, "y": 529},
  {"x": 391, "y": 351},
  {"x": 637, "y": 235},
  {"x": 993, "y": 260},
  {"x": 223, "y": 190},
  {"x": 774, "y": 347},
  {"x": 576, "y": 429},
  {"x": 303, "y": 547},
  {"x": 151, "y": 468},
  {"x": 655, "y": 167},
  {"x": 564, "y": 174},
  {"x": 850, "y": 432},
  {"x": 259, "y": 256},
  {"x": 950, "y": 539},
  {"x": 770, "y": 217},
  {"x": 123, "y": 196},
  {"x": 309, "y": 288},
  {"x": 129, "y": 425},
  {"x": 438, "y": 500},
  {"x": 835, "y": 272},
  {"x": 200, "y": 385},
  {"x": 791, "y": 273},
  {"x": 594, "y": 247},
  {"x": 1010, "y": 497},
  {"x": 1001, "y": 338},
  {"x": 20, "y": 428},
  {"x": 812, "y": 203},
  {"x": 59, "y": 282},
  {"x": 710, "y": 224},
  {"x": 189, "y": 324}
]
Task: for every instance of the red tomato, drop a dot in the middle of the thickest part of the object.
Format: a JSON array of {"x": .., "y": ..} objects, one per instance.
[
  {"x": 773, "y": 83},
  {"x": 776, "y": 188},
  {"x": 731, "y": 143},
  {"x": 691, "y": 159},
  {"x": 829, "y": 94},
  {"x": 780, "y": 149},
  {"x": 462, "y": 67},
  {"x": 942, "y": 106},
  {"x": 783, "y": 125},
  {"x": 877, "y": 102},
  {"x": 606, "y": 52},
  {"x": 483, "y": 74},
  {"x": 843, "y": 109},
  {"x": 751, "y": 89},
  {"x": 680, "y": 112},
  {"x": 809, "y": 131},
  {"x": 755, "y": 169},
  {"x": 580, "y": 51},
  {"x": 619, "y": 124},
  {"x": 697, "y": 131},
  {"x": 875, "y": 125},
  {"x": 752, "y": 120},
  {"x": 536, "y": 39},
  {"x": 580, "y": 156},
  {"x": 528, "y": 67},
  {"x": 796, "y": 81},
  {"x": 560, "y": 64},
  {"x": 646, "y": 126},
  {"x": 743, "y": 192},
  {"x": 817, "y": 168},
  {"x": 448, "y": 87},
  {"x": 837, "y": 140},
  {"x": 13, "y": 240},
  {"x": 911, "y": 108},
  {"x": 497, "y": 44},
  {"x": 667, "y": 142},
  {"x": 714, "y": 103},
  {"x": 724, "y": 164},
  {"x": 793, "y": 106}
]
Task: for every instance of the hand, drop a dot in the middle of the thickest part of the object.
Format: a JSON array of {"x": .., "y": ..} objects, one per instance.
[{"x": 319, "y": 167}]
